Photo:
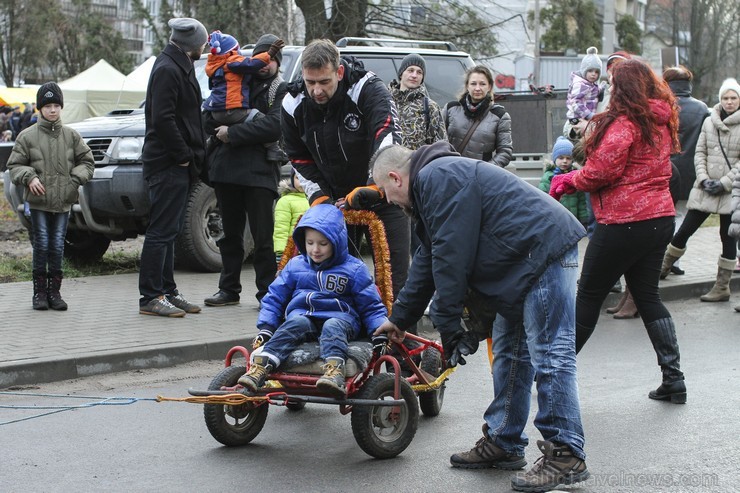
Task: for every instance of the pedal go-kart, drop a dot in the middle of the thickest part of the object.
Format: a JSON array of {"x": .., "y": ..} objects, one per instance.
[{"x": 382, "y": 390}]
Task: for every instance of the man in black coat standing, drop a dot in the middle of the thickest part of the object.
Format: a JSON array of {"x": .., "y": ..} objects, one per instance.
[
  {"x": 174, "y": 149},
  {"x": 244, "y": 169}
]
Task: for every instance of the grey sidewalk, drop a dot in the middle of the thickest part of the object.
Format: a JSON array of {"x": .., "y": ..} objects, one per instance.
[{"x": 103, "y": 332}]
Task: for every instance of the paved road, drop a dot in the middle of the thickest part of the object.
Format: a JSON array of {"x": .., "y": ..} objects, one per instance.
[{"x": 634, "y": 444}]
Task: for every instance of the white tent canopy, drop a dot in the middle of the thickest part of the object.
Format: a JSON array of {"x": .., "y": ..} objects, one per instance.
[
  {"x": 138, "y": 79},
  {"x": 96, "y": 91}
]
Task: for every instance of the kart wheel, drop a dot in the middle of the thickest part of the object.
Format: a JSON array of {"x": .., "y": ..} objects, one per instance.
[
  {"x": 431, "y": 402},
  {"x": 384, "y": 432},
  {"x": 233, "y": 425},
  {"x": 295, "y": 405}
]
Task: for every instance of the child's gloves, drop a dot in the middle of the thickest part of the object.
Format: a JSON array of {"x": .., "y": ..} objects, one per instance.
[
  {"x": 561, "y": 185},
  {"x": 275, "y": 47},
  {"x": 363, "y": 197},
  {"x": 458, "y": 344},
  {"x": 713, "y": 187},
  {"x": 262, "y": 338},
  {"x": 380, "y": 345}
]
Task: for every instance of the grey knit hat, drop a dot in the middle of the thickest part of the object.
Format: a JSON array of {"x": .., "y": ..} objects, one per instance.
[
  {"x": 591, "y": 61},
  {"x": 189, "y": 34},
  {"x": 412, "y": 59},
  {"x": 263, "y": 44}
]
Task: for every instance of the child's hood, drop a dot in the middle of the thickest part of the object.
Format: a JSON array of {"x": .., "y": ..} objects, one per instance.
[
  {"x": 329, "y": 221},
  {"x": 286, "y": 186}
]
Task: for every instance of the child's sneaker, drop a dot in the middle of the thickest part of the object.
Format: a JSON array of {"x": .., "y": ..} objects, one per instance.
[
  {"x": 257, "y": 373},
  {"x": 333, "y": 380}
]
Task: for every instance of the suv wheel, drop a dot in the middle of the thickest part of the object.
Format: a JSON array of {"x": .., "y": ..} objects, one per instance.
[{"x": 197, "y": 245}]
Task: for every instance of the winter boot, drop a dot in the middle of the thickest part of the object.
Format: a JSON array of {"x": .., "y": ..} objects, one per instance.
[
  {"x": 332, "y": 382},
  {"x": 55, "y": 298},
  {"x": 721, "y": 289},
  {"x": 662, "y": 334},
  {"x": 628, "y": 309},
  {"x": 40, "y": 299},
  {"x": 671, "y": 255},
  {"x": 557, "y": 466},
  {"x": 620, "y": 304},
  {"x": 257, "y": 374}
]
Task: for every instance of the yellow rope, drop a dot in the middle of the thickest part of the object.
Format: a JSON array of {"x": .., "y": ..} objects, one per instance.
[
  {"x": 422, "y": 387},
  {"x": 226, "y": 399}
]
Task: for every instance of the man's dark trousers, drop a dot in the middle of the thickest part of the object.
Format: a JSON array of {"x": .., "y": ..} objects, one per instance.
[
  {"x": 237, "y": 203},
  {"x": 168, "y": 195}
]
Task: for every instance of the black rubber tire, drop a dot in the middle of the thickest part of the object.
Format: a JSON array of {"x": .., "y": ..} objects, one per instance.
[
  {"x": 370, "y": 424},
  {"x": 233, "y": 425},
  {"x": 430, "y": 403},
  {"x": 197, "y": 246},
  {"x": 84, "y": 246},
  {"x": 295, "y": 406}
]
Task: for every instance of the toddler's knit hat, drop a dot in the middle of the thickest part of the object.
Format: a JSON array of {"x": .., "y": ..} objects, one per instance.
[
  {"x": 189, "y": 34},
  {"x": 412, "y": 59},
  {"x": 562, "y": 147},
  {"x": 729, "y": 85},
  {"x": 591, "y": 61},
  {"x": 222, "y": 43},
  {"x": 49, "y": 93}
]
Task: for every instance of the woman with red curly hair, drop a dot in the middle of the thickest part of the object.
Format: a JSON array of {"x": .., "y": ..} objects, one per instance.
[{"x": 627, "y": 172}]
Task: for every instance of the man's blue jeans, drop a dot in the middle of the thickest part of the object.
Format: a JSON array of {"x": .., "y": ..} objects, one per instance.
[
  {"x": 168, "y": 195},
  {"x": 542, "y": 344},
  {"x": 49, "y": 230},
  {"x": 333, "y": 337}
]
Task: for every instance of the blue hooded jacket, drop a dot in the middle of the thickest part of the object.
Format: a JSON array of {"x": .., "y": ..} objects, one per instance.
[{"x": 339, "y": 287}]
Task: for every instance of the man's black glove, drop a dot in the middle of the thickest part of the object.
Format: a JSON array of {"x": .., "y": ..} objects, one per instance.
[
  {"x": 480, "y": 314},
  {"x": 380, "y": 345},
  {"x": 363, "y": 197},
  {"x": 261, "y": 339},
  {"x": 458, "y": 344},
  {"x": 713, "y": 187}
]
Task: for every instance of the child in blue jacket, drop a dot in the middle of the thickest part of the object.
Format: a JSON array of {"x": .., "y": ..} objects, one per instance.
[{"x": 324, "y": 293}]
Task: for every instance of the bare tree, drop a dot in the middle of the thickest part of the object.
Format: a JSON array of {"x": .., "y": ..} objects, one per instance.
[{"x": 21, "y": 46}]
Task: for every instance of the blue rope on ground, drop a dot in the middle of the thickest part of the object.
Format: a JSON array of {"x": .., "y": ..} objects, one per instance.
[{"x": 101, "y": 401}]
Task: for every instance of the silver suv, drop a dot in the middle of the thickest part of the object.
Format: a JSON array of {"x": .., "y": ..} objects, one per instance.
[{"x": 114, "y": 205}]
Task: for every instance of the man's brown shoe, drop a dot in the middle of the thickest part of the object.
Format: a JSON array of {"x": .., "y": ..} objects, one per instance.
[
  {"x": 557, "y": 466},
  {"x": 486, "y": 454}
]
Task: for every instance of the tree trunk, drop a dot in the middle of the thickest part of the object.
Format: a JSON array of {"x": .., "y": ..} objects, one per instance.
[{"x": 317, "y": 25}]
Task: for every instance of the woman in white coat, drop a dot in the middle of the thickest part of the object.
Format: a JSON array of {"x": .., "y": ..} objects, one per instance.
[{"x": 717, "y": 162}]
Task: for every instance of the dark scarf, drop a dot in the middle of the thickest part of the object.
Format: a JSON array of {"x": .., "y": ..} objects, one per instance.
[
  {"x": 475, "y": 111},
  {"x": 723, "y": 114}
]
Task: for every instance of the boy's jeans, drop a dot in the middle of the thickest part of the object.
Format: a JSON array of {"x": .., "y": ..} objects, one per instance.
[
  {"x": 333, "y": 338},
  {"x": 543, "y": 345},
  {"x": 49, "y": 230}
]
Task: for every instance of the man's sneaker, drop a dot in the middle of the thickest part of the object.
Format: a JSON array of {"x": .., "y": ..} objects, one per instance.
[
  {"x": 162, "y": 307},
  {"x": 180, "y": 302},
  {"x": 257, "y": 374},
  {"x": 557, "y": 466},
  {"x": 486, "y": 454},
  {"x": 332, "y": 382},
  {"x": 222, "y": 298}
]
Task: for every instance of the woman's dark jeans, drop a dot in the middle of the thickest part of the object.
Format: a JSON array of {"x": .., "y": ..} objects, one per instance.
[
  {"x": 49, "y": 230},
  {"x": 635, "y": 250}
]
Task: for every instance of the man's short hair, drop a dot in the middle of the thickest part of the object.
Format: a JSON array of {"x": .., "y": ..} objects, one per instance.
[
  {"x": 391, "y": 158},
  {"x": 319, "y": 53}
]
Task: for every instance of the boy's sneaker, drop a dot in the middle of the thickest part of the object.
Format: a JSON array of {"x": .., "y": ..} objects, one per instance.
[
  {"x": 180, "y": 302},
  {"x": 332, "y": 382},
  {"x": 487, "y": 454},
  {"x": 557, "y": 466},
  {"x": 257, "y": 373},
  {"x": 162, "y": 307}
]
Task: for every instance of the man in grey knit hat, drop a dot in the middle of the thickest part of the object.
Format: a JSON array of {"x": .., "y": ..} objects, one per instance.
[{"x": 174, "y": 150}]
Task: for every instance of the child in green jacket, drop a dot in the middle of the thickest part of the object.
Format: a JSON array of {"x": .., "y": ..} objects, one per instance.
[
  {"x": 562, "y": 162},
  {"x": 52, "y": 162},
  {"x": 291, "y": 206}
]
